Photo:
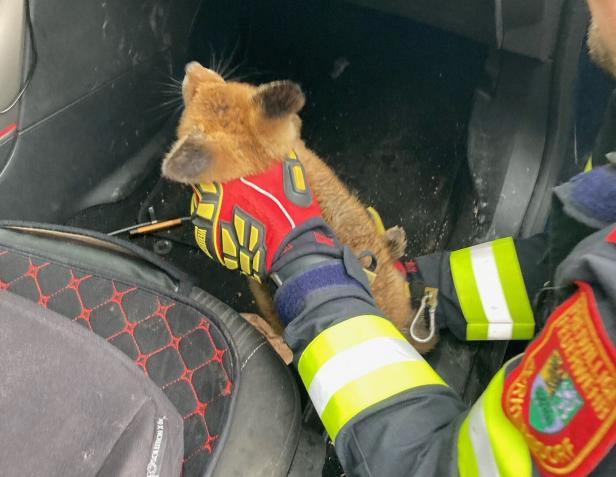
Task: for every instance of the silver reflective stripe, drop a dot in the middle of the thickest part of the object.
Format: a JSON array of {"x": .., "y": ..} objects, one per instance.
[
  {"x": 353, "y": 363},
  {"x": 490, "y": 290},
  {"x": 480, "y": 439}
]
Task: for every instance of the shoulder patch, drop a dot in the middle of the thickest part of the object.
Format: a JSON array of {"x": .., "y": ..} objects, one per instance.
[
  {"x": 562, "y": 396},
  {"x": 611, "y": 237}
]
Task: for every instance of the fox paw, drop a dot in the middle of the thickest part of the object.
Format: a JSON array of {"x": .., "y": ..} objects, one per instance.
[{"x": 395, "y": 238}]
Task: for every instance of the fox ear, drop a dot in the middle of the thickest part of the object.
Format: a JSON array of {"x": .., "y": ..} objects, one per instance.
[
  {"x": 187, "y": 160},
  {"x": 279, "y": 99}
]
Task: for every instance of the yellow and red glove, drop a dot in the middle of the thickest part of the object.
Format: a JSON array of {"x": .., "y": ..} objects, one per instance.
[{"x": 243, "y": 223}]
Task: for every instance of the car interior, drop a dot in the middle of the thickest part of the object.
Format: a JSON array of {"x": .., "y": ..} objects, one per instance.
[{"x": 454, "y": 119}]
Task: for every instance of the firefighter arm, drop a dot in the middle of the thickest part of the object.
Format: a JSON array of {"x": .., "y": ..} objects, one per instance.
[
  {"x": 385, "y": 422},
  {"x": 485, "y": 291},
  {"x": 385, "y": 408},
  {"x": 541, "y": 412},
  {"x": 387, "y": 411}
]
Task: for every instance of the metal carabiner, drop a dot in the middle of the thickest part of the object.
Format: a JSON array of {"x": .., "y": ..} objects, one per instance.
[{"x": 429, "y": 300}]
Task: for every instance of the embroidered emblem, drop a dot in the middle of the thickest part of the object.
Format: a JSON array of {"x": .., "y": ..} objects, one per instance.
[
  {"x": 554, "y": 398},
  {"x": 562, "y": 396}
]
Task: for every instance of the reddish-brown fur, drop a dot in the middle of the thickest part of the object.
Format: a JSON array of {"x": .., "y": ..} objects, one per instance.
[{"x": 229, "y": 130}]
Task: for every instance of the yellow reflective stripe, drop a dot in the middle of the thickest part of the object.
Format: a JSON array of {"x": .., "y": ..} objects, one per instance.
[
  {"x": 510, "y": 450},
  {"x": 468, "y": 294},
  {"x": 512, "y": 282},
  {"x": 358, "y": 363},
  {"x": 487, "y": 425},
  {"x": 491, "y": 290},
  {"x": 373, "y": 388},
  {"x": 340, "y": 337},
  {"x": 467, "y": 463},
  {"x": 478, "y": 430}
]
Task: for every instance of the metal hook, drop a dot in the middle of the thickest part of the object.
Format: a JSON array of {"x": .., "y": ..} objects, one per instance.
[{"x": 427, "y": 298}]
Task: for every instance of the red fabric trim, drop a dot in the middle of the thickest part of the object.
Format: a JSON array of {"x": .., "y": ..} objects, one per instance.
[
  {"x": 611, "y": 238},
  {"x": 323, "y": 239},
  {"x": 7, "y": 130},
  {"x": 410, "y": 266},
  {"x": 400, "y": 267}
]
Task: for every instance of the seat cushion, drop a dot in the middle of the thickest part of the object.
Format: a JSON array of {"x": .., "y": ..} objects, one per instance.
[
  {"x": 56, "y": 399},
  {"x": 180, "y": 342}
]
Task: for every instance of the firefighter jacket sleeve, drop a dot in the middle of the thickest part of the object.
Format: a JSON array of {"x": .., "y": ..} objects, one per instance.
[
  {"x": 549, "y": 412},
  {"x": 387, "y": 411},
  {"x": 485, "y": 292}
]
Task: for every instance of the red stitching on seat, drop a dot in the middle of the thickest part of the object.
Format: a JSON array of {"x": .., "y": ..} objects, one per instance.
[{"x": 61, "y": 288}]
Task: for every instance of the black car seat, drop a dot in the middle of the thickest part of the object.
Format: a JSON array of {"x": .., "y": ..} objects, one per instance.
[{"x": 239, "y": 402}]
